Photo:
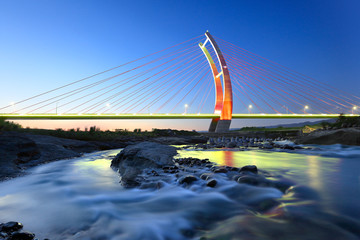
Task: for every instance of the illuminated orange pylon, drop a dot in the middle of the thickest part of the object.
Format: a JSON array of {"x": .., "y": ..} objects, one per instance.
[{"x": 223, "y": 98}]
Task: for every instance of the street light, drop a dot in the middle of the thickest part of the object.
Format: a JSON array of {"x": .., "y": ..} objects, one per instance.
[
  {"x": 353, "y": 109},
  {"x": 249, "y": 108},
  {"x": 186, "y": 107},
  {"x": 306, "y": 107}
]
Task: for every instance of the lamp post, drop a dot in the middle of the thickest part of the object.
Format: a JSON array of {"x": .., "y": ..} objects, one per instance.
[
  {"x": 186, "y": 107},
  {"x": 249, "y": 108},
  {"x": 353, "y": 109},
  {"x": 306, "y": 107}
]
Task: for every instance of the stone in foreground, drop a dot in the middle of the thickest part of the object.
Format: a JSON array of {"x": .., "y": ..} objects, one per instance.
[{"x": 133, "y": 159}]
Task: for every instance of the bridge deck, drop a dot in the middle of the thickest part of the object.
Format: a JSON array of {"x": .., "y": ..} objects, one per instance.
[{"x": 162, "y": 116}]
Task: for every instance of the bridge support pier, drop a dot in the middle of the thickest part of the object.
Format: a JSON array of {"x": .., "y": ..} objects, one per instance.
[
  {"x": 223, "y": 126},
  {"x": 213, "y": 124},
  {"x": 219, "y": 126}
]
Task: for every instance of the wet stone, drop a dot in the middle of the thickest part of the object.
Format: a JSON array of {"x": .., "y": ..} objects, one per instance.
[
  {"x": 187, "y": 179},
  {"x": 220, "y": 170},
  {"x": 154, "y": 173},
  {"x": 129, "y": 183},
  {"x": 282, "y": 186},
  {"x": 236, "y": 177},
  {"x": 10, "y": 227},
  {"x": 204, "y": 160},
  {"x": 231, "y": 145},
  {"x": 22, "y": 236},
  {"x": 206, "y": 176},
  {"x": 248, "y": 180},
  {"x": 3, "y": 235},
  {"x": 249, "y": 168},
  {"x": 211, "y": 183}
]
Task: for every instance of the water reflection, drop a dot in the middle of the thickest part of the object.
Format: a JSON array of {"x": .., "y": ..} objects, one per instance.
[{"x": 335, "y": 179}]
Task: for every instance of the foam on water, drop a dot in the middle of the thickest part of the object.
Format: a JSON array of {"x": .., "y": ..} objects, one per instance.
[
  {"x": 82, "y": 199},
  {"x": 79, "y": 198}
]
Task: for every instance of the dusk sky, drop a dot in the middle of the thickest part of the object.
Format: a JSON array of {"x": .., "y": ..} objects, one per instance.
[{"x": 46, "y": 44}]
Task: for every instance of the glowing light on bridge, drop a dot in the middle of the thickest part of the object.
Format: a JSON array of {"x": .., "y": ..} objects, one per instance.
[
  {"x": 306, "y": 108},
  {"x": 249, "y": 108},
  {"x": 186, "y": 107}
]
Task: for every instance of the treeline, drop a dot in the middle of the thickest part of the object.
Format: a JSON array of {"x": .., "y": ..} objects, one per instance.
[
  {"x": 94, "y": 133},
  {"x": 342, "y": 122}
]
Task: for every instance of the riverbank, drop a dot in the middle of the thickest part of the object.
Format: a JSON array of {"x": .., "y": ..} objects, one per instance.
[
  {"x": 20, "y": 151},
  {"x": 345, "y": 136},
  {"x": 209, "y": 194}
]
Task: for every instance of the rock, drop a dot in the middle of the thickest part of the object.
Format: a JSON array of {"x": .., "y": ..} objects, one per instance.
[
  {"x": 132, "y": 160},
  {"x": 211, "y": 183},
  {"x": 249, "y": 168},
  {"x": 220, "y": 170},
  {"x": 22, "y": 236},
  {"x": 187, "y": 179},
  {"x": 231, "y": 145},
  {"x": 249, "y": 180},
  {"x": 20, "y": 151},
  {"x": 288, "y": 147},
  {"x": 206, "y": 176},
  {"x": 346, "y": 136},
  {"x": 302, "y": 192},
  {"x": 10, "y": 227},
  {"x": 236, "y": 177},
  {"x": 282, "y": 186}
]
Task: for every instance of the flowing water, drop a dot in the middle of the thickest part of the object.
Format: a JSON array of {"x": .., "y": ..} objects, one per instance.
[{"x": 81, "y": 198}]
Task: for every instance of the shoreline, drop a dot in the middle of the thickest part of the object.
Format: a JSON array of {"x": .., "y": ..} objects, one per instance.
[
  {"x": 185, "y": 172},
  {"x": 20, "y": 151}
]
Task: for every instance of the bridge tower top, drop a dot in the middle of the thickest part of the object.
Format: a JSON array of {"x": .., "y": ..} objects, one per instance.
[{"x": 226, "y": 91}]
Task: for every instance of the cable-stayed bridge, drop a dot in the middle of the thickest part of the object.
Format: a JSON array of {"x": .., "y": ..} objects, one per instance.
[{"x": 202, "y": 78}]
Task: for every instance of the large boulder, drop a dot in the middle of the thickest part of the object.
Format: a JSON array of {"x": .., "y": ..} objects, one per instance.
[
  {"x": 19, "y": 151},
  {"x": 133, "y": 159}
]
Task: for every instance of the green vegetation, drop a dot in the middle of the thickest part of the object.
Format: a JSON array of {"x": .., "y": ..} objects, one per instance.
[
  {"x": 255, "y": 129},
  {"x": 341, "y": 122},
  {"x": 94, "y": 133},
  {"x": 344, "y": 122},
  {"x": 8, "y": 126}
]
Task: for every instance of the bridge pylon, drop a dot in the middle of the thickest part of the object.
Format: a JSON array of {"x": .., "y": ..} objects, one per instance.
[{"x": 223, "y": 89}]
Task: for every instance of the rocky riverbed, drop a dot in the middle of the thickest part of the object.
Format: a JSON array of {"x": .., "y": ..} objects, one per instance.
[
  {"x": 13, "y": 231},
  {"x": 19, "y": 151},
  {"x": 166, "y": 196},
  {"x": 243, "y": 143},
  {"x": 152, "y": 166}
]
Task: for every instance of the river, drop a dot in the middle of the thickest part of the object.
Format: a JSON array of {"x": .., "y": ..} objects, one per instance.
[{"x": 81, "y": 198}]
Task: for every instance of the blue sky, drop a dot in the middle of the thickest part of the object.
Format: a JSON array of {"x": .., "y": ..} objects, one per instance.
[{"x": 45, "y": 44}]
